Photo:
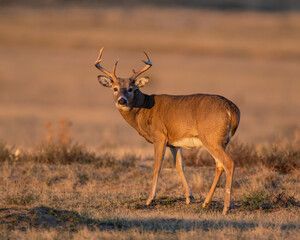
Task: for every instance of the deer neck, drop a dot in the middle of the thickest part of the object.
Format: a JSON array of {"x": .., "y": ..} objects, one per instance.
[{"x": 142, "y": 102}]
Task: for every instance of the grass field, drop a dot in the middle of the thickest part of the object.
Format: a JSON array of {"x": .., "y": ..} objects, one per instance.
[
  {"x": 65, "y": 191},
  {"x": 70, "y": 167}
]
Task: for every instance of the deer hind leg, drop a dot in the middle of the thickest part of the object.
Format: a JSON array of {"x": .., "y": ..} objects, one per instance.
[
  {"x": 159, "y": 152},
  {"x": 223, "y": 161},
  {"x": 229, "y": 168},
  {"x": 177, "y": 155},
  {"x": 219, "y": 171}
]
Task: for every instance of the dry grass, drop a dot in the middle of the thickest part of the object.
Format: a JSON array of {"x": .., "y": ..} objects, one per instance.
[
  {"x": 59, "y": 149},
  {"x": 283, "y": 156},
  {"x": 79, "y": 199},
  {"x": 55, "y": 192}
]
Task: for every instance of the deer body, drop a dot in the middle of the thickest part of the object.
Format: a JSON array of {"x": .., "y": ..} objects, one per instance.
[
  {"x": 188, "y": 121},
  {"x": 155, "y": 118}
]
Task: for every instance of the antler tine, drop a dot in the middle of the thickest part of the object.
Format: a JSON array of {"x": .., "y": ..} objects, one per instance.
[
  {"x": 99, "y": 58},
  {"x": 97, "y": 65},
  {"x": 115, "y": 67},
  {"x": 148, "y": 62},
  {"x": 148, "y": 65}
]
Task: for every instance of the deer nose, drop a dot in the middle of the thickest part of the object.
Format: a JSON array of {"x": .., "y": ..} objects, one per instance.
[{"x": 122, "y": 101}]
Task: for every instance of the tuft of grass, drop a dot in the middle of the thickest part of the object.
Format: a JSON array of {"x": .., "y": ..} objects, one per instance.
[
  {"x": 256, "y": 200},
  {"x": 129, "y": 160},
  {"x": 282, "y": 160},
  {"x": 50, "y": 153},
  {"x": 243, "y": 155},
  {"x": 65, "y": 154},
  {"x": 59, "y": 149},
  {"x": 63, "y": 215},
  {"x": 83, "y": 178},
  {"x": 54, "y": 180},
  {"x": 169, "y": 201},
  {"x": 108, "y": 160},
  {"x": 5, "y": 153},
  {"x": 59, "y": 154},
  {"x": 23, "y": 199},
  {"x": 283, "y": 200}
]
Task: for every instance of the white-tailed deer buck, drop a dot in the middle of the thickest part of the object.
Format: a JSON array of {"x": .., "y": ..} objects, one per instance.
[{"x": 188, "y": 121}]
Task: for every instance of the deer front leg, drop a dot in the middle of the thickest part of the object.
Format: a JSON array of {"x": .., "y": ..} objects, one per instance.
[
  {"x": 159, "y": 152},
  {"x": 177, "y": 155}
]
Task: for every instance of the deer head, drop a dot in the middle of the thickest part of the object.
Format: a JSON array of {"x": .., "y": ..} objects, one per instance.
[{"x": 124, "y": 89}]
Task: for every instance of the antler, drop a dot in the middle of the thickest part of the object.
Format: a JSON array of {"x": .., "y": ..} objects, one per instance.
[
  {"x": 148, "y": 65},
  {"x": 97, "y": 65}
]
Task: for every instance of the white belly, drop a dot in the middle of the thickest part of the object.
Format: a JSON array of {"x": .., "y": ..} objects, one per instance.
[{"x": 188, "y": 143}]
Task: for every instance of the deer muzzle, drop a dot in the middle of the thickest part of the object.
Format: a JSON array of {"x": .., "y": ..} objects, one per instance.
[{"x": 122, "y": 101}]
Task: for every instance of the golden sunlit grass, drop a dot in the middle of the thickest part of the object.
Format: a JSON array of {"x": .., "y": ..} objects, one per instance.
[{"x": 61, "y": 190}]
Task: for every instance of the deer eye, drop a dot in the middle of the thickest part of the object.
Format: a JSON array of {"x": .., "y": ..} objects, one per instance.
[
  {"x": 130, "y": 90},
  {"x": 115, "y": 89}
]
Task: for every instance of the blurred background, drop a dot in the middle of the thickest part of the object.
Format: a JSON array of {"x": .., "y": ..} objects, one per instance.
[{"x": 247, "y": 51}]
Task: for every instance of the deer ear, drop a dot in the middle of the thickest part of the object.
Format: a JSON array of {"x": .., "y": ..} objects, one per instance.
[
  {"x": 105, "y": 81},
  {"x": 141, "y": 82}
]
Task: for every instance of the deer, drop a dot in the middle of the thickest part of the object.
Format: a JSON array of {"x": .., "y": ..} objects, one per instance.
[{"x": 176, "y": 122}]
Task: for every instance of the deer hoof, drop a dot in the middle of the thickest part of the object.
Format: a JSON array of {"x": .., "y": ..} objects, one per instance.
[
  {"x": 205, "y": 205},
  {"x": 189, "y": 199},
  {"x": 224, "y": 211},
  {"x": 149, "y": 201}
]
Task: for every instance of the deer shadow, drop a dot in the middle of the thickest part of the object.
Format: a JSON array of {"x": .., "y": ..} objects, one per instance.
[{"x": 22, "y": 218}]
